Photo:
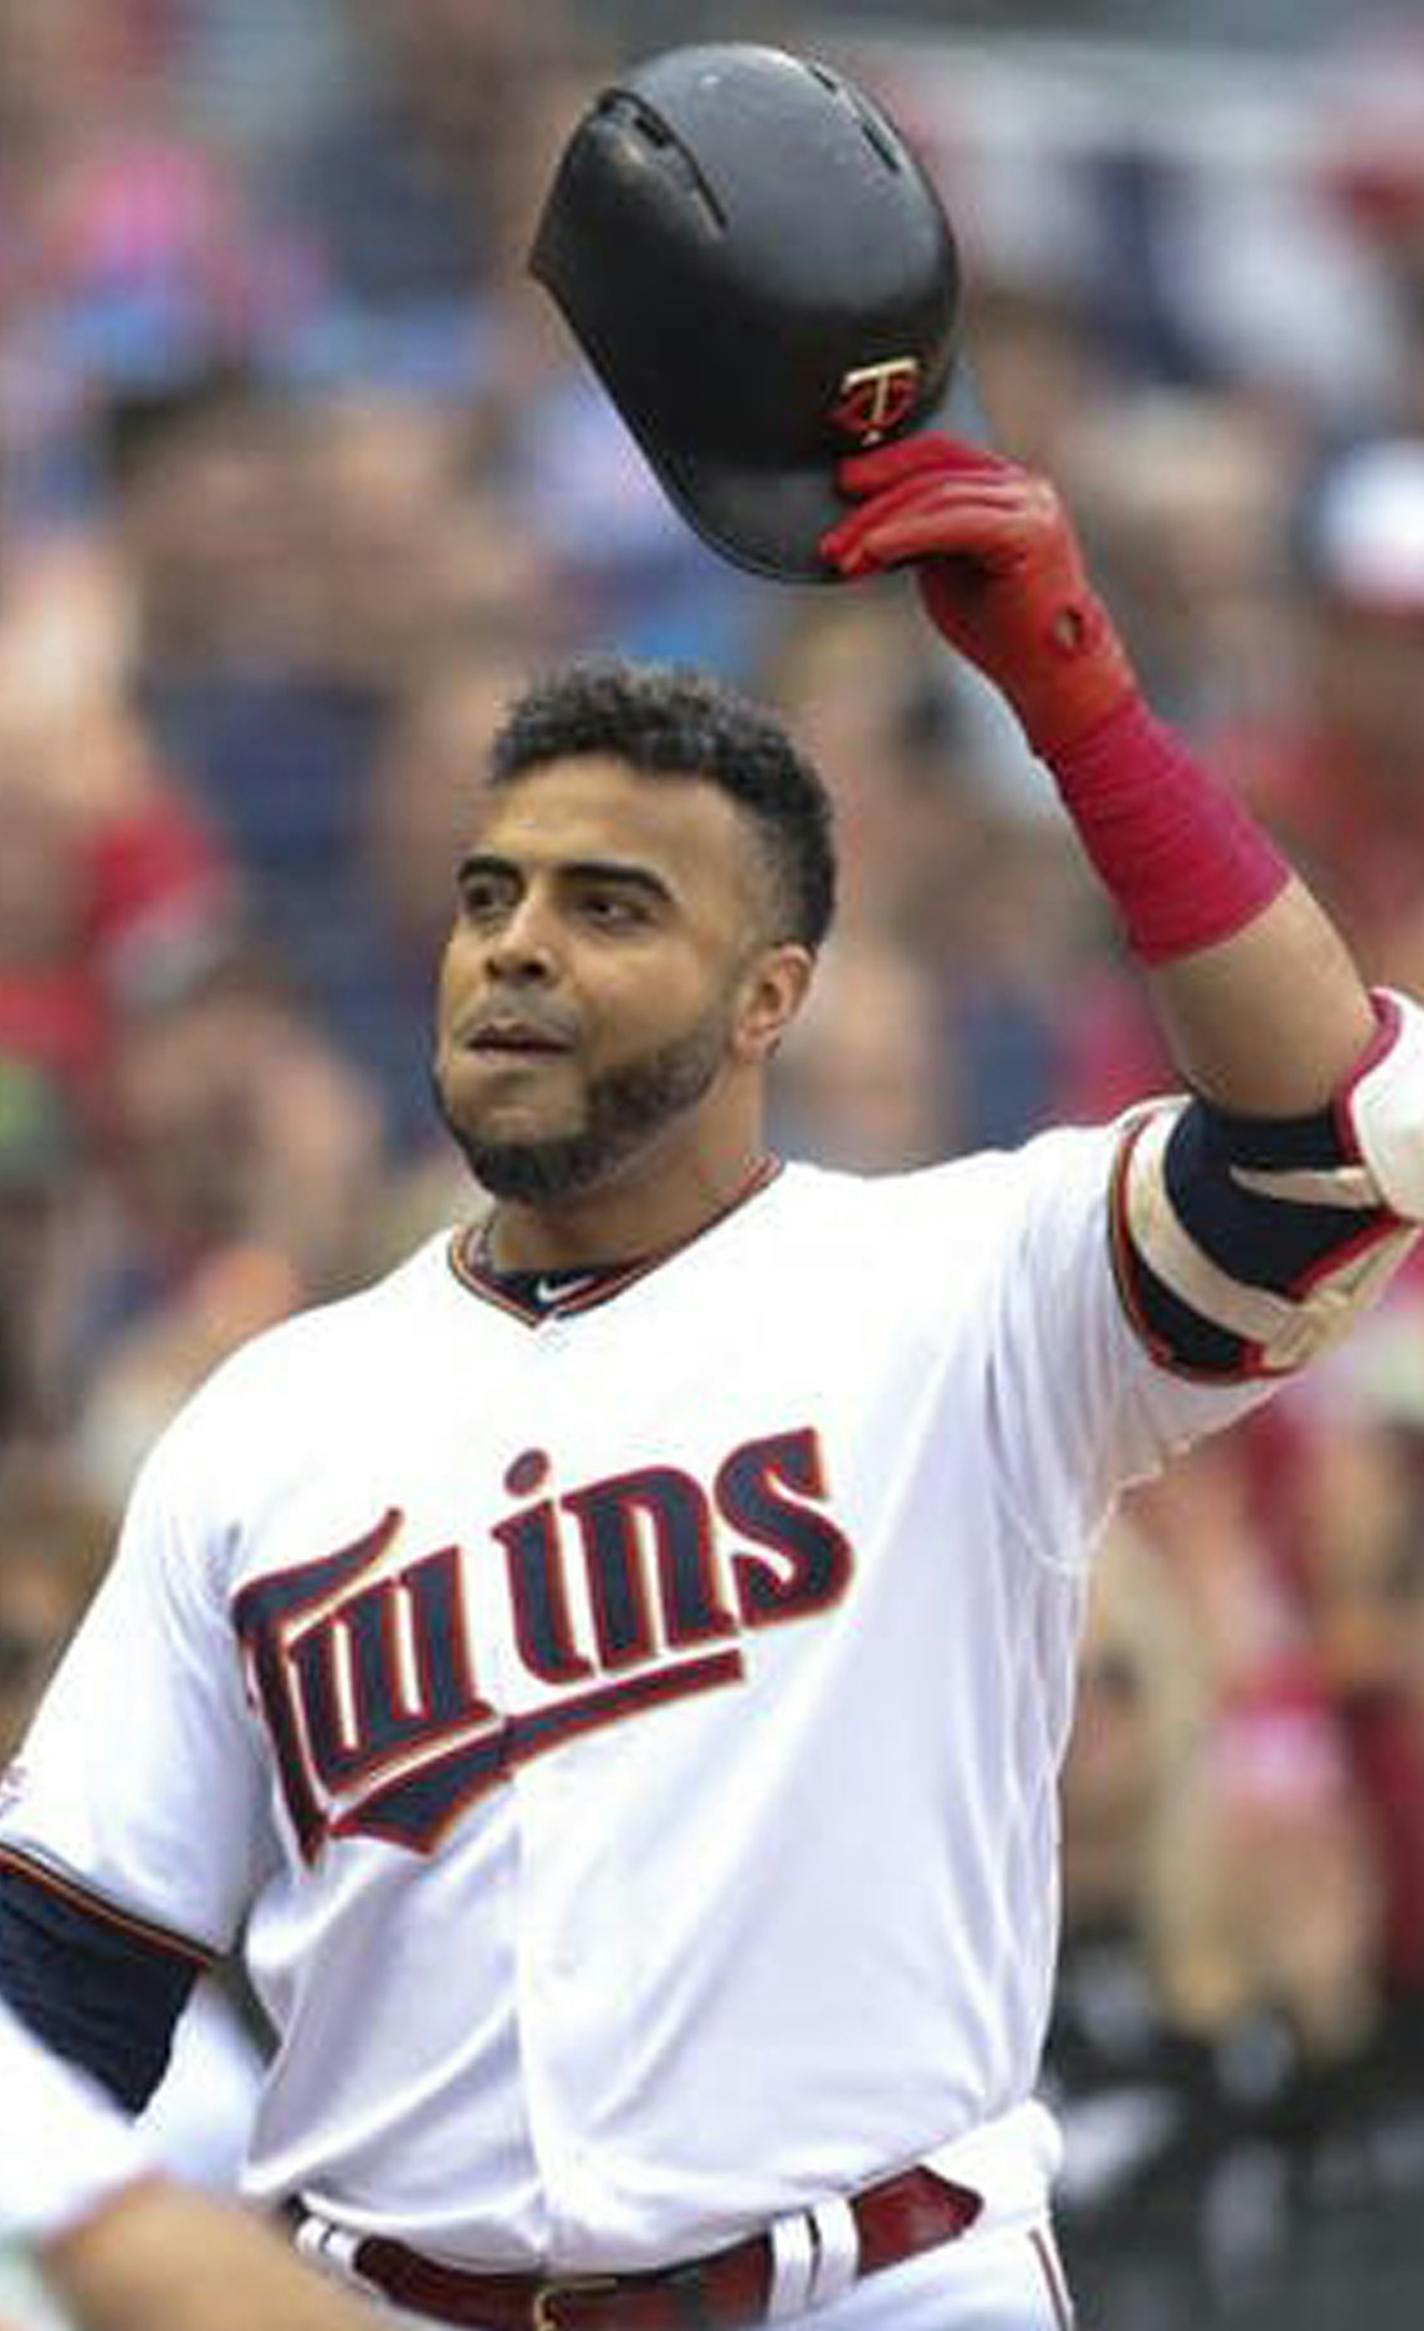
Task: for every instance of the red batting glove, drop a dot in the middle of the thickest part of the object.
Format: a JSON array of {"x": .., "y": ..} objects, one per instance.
[{"x": 1000, "y": 574}]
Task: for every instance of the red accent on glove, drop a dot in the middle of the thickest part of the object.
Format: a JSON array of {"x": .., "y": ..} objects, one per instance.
[
  {"x": 1000, "y": 574},
  {"x": 1002, "y": 578}
]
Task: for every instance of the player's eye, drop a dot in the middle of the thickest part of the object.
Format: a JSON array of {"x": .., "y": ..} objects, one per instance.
[
  {"x": 484, "y": 893},
  {"x": 614, "y": 909}
]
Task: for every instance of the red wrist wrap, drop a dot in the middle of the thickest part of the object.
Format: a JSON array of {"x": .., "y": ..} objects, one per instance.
[{"x": 1185, "y": 863}]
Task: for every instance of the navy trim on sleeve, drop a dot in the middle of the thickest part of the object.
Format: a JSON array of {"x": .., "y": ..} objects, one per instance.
[{"x": 101, "y": 1990}]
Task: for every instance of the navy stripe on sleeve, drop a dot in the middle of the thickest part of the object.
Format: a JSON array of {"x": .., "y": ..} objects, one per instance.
[{"x": 101, "y": 1990}]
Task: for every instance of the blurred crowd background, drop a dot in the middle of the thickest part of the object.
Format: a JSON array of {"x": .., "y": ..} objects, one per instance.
[{"x": 299, "y": 476}]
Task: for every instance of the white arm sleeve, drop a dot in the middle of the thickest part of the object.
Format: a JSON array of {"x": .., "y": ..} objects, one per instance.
[
  {"x": 141, "y": 1777},
  {"x": 1092, "y": 1410}
]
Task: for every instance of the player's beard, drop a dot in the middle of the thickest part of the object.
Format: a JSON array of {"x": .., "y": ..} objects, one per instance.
[{"x": 623, "y": 1109}]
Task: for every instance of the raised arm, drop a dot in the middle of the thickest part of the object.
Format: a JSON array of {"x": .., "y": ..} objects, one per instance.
[
  {"x": 1258, "y": 998},
  {"x": 1251, "y": 1224}
]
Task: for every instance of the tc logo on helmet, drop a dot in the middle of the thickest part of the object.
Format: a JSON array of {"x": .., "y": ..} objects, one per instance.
[{"x": 876, "y": 397}]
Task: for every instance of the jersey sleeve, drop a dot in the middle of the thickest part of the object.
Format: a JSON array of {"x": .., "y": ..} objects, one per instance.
[
  {"x": 1083, "y": 1404},
  {"x": 1166, "y": 1274},
  {"x": 140, "y": 1783}
]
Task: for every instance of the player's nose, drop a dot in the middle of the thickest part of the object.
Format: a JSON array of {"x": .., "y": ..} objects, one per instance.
[{"x": 524, "y": 945}]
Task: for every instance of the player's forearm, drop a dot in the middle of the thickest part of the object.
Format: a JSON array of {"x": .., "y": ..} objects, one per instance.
[
  {"x": 1270, "y": 1022},
  {"x": 123, "y": 2245},
  {"x": 158, "y": 2254},
  {"x": 1262, "y": 1008}
]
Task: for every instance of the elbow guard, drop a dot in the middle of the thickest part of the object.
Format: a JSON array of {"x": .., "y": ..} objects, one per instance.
[
  {"x": 1244, "y": 1246},
  {"x": 1381, "y": 1110}
]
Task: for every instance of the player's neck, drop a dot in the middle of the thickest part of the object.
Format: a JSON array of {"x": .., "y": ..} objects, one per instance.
[{"x": 648, "y": 1210}]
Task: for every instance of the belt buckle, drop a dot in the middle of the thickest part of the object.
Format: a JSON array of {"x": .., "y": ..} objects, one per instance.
[{"x": 541, "y": 2314}]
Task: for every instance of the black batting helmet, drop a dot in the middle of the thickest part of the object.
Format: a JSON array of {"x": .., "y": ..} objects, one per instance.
[{"x": 764, "y": 279}]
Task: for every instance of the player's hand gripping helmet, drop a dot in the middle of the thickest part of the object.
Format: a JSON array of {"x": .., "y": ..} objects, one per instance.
[{"x": 764, "y": 279}]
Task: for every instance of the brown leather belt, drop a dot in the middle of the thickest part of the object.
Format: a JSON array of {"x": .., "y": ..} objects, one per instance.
[{"x": 894, "y": 2220}]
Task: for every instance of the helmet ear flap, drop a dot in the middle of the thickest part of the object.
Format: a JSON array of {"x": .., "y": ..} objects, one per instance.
[{"x": 762, "y": 276}]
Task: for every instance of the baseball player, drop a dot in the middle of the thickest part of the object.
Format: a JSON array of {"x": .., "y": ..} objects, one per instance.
[
  {"x": 124, "y": 2245},
  {"x": 611, "y": 1675}
]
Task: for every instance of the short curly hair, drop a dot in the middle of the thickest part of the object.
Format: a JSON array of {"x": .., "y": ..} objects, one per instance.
[{"x": 673, "y": 721}]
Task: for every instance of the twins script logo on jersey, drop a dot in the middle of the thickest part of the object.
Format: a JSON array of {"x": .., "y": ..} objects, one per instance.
[{"x": 365, "y": 1669}]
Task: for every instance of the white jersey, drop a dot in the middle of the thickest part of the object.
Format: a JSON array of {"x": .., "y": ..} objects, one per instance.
[{"x": 629, "y": 1739}]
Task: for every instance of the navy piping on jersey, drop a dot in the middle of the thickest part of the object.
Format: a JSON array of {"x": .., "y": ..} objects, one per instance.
[{"x": 534, "y": 1296}]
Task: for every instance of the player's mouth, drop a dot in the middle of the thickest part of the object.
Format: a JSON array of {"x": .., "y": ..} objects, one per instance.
[{"x": 518, "y": 1036}]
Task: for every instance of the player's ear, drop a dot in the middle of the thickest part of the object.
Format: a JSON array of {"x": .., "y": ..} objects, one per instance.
[{"x": 773, "y": 990}]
